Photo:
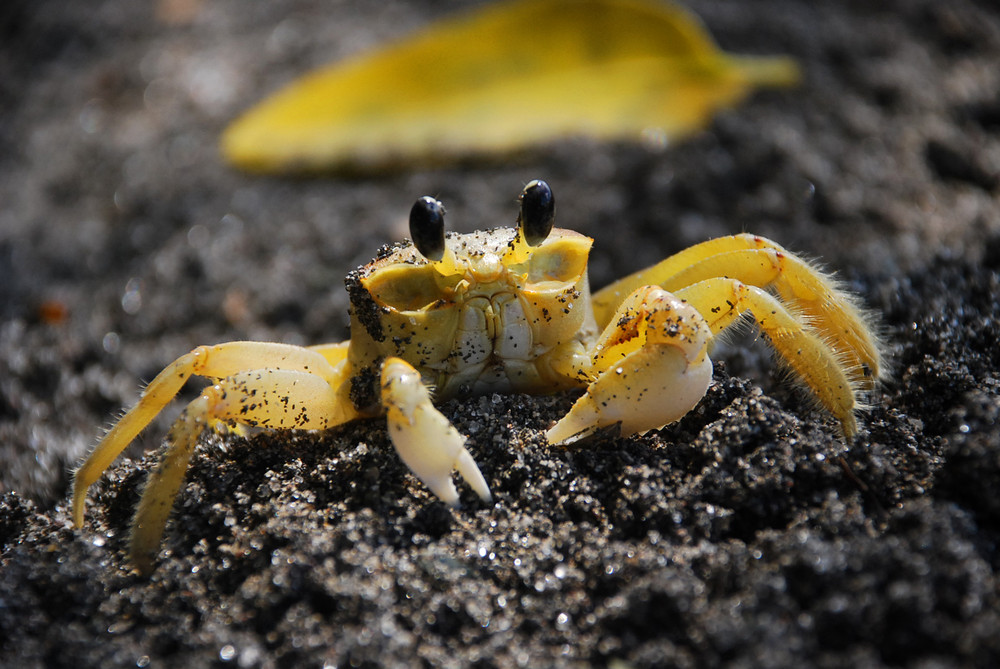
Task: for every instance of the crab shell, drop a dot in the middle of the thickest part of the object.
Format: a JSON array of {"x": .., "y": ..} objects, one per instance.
[{"x": 493, "y": 315}]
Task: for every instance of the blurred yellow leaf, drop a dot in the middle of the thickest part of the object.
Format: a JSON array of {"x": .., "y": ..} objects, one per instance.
[{"x": 510, "y": 76}]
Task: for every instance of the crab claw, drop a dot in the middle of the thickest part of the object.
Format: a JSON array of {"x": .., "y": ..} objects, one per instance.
[
  {"x": 648, "y": 390},
  {"x": 654, "y": 369},
  {"x": 429, "y": 445}
]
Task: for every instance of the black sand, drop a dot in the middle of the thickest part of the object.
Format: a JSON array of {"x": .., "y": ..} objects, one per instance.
[{"x": 748, "y": 534}]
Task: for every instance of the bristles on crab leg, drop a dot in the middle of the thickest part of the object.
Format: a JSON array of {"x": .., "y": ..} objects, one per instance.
[
  {"x": 215, "y": 362},
  {"x": 821, "y": 367},
  {"x": 754, "y": 260},
  {"x": 273, "y": 398},
  {"x": 163, "y": 484}
]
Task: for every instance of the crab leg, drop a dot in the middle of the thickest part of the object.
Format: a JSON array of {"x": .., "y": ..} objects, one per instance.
[
  {"x": 805, "y": 350},
  {"x": 214, "y": 362},
  {"x": 760, "y": 262},
  {"x": 651, "y": 368},
  {"x": 271, "y": 398},
  {"x": 429, "y": 445}
]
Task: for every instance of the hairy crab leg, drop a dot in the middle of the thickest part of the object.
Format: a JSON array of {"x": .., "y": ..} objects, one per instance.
[
  {"x": 215, "y": 362},
  {"x": 426, "y": 442},
  {"x": 760, "y": 262},
  {"x": 650, "y": 364},
  {"x": 270, "y": 398},
  {"x": 823, "y": 368}
]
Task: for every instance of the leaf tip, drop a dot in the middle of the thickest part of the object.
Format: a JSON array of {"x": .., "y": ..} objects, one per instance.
[{"x": 770, "y": 71}]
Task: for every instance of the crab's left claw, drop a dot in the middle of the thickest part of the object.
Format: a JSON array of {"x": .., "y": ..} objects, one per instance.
[{"x": 429, "y": 445}]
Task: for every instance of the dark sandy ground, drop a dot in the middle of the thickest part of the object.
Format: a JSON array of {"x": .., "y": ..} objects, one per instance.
[{"x": 748, "y": 534}]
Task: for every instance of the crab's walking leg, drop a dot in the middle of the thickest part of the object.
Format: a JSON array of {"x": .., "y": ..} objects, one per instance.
[
  {"x": 651, "y": 368},
  {"x": 272, "y": 398},
  {"x": 724, "y": 301},
  {"x": 215, "y": 362},
  {"x": 760, "y": 262},
  {"x": 429, "y": 445}
]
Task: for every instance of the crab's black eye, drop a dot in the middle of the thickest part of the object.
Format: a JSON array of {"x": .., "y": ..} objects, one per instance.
[
  {"x": 538, "y": 211},
  {"x": 427, "y": 227}
]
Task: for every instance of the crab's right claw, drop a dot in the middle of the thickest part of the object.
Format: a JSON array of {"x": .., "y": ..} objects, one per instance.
[
  {"x": 652, "y": 366},
  {"x": 429, "y": 445}
]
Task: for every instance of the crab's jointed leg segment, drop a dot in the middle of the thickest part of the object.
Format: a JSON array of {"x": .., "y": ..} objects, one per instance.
[
  {"x": 162, "y": 485},
  {"x": 756, "y": 261},
  {"x": 426, "y": 442},
  {"x": 287, "y": 386},
  {"x": 822, "y": 368},
  {"x": 272, "y": 398},
  {"x": 650, "y": 366},
  {"x": 214, "y": 362}
]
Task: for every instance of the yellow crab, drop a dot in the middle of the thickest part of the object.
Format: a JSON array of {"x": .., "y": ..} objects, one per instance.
[{"x": 506, "y": 310}]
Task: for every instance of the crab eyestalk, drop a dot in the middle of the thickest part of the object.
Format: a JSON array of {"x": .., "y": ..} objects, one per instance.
[
  {"x": 534, "y": 221},
  {"x": 538, "y": 212},
  {"x": 427, "y": 232}
]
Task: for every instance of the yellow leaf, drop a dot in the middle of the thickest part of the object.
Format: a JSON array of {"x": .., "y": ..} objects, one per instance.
[{"x": 511, "y": 76}]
